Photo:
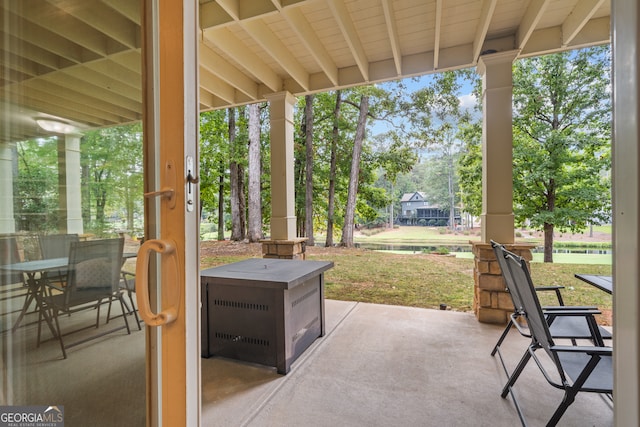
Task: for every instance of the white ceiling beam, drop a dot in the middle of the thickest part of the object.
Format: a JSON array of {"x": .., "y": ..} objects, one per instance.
[
  {"x": 113, "y": 70},
  {"x": 392, "y": 31},
  {"x": 218, "y": 66},
  {"x": 129, "y": 59},
  {"x": 231, "y": 7},
  {"x": 97, "y": 107},
  {"x": 103, "y": 19},
  {"x": 304, "y": 30},
  {"x": 220, "y": 13},
  {"x": 486, "y": 13},
  {"x": 129, "y": 9},
  {"x": 438, "y": 30},
  {"x": 29, "y": 51},
  {"x": 530, "y": 21},
  {"x": 549, "y": 40},
  {"x": 48, "y": 41},
  {"x": 341, "y": 15},
  {"x": 98, "y": 82},
  {"x": 226, "y": 41},
  {"x": 271, "y": 44},
  {"x": 48, "y": 18},
  {"x": 15, "y": 64},
  {"x": 217, "y": 86},
  {"x": 213, "y": 15},
  {"x": 595, "y": 32},
  {"x": 59, "y": 109},
  {"x": 578, "y": 18},
  {"x": 206, "y": 99},
  {"x": 70, "y": 87}
]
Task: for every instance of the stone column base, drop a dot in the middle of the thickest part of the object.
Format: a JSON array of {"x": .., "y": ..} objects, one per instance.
[
  {"x": 285, "y": 249},
  {"x": 491, "y": 301}
]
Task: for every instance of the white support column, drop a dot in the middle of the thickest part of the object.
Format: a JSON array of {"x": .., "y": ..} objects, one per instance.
[
  {"x": 283, "y": 220},
  {"x": 626, "y": 214},
  {"x": 7, "y": 221},
  {"x": 69, "y": 187},
  {"x": 497, "y": 146}
]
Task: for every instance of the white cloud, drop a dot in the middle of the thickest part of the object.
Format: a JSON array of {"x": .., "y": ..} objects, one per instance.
[{"x": 468, "y": 101}]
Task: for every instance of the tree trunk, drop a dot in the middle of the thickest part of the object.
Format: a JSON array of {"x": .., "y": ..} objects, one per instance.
[
  {"x": 236, "y": 218},
  {"x": 254, "y": 225},
  {"x": 308, "y": 201},
  {"x": 391, "y": 208},
  {"x": 221, "y": 203},
  {"x": 242, "y": 201},
  {"x": 452, "y": 196},
  {"x": 548, "y": 242},
  {"x": 347, "y": 230},
  {"x": 332, "y": 170},
  {"x": 547, "y": 227}
]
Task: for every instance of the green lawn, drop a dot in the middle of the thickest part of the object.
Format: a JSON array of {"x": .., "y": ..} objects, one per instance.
[
  {"x": 426, "y": 280},
  {"x": 422, "y": 280}
]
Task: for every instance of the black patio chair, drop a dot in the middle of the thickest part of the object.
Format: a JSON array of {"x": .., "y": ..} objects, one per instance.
[
  {"x": 12, "y": 283},
  {"x": 56, "y": 246},
  {"x": 579, "y": 368},
  {"x": 93, "y": 279},
  {"x": 579, "y": 324}
]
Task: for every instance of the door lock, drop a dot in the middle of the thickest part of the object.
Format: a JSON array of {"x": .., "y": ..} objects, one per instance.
[{"x": 191, "y": 180}]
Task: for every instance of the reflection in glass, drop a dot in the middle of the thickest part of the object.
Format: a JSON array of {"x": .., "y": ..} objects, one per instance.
[{"x": 70, "y": 165}]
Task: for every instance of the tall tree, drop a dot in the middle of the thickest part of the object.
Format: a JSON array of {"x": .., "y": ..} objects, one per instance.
[
  {"x": 469, "y": 169},
  {"x": 394, "y": 157},
  {"x": 36, "y": 192},
  {"x": 237, "y": 219},
  {"x": 562, "y": 116},
  {"x": 332, "y": 169},
  {"x": 111, "y": 155},
  {"x": 308, "y": 205},
  {"x": 214, "y": 158},
  {"x": 254, "y": 226},
  {"x": 348, "y": 227},
  {"x": 437, "y": 117}
]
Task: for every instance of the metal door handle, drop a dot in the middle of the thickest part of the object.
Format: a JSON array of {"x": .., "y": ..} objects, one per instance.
[
  {"x": 170, "y": 283},
  {"x": 168, "y": 190}
]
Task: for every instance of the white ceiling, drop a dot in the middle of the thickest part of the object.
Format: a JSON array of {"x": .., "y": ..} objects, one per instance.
[{"x": 79, "y": 60}]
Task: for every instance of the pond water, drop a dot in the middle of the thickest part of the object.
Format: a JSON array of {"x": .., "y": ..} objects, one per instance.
[{"x": 419, "y": 248}]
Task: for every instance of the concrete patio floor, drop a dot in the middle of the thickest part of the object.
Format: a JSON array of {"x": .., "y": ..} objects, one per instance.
[
  {"x": 383, "y": 365},
  {"x": 377, "y": 365}
]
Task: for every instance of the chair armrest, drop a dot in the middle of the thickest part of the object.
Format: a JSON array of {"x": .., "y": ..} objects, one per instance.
[
  {"x": 569, "y": 307},
  {"x": 555, "y": 288},
  {"x": 593, "y": 350},
  {"x": 555, "y": 313},
  {"x": 549, "y": 288}
]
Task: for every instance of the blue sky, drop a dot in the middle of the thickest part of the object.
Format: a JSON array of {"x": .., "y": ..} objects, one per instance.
[{"x": 467, "y": 99}]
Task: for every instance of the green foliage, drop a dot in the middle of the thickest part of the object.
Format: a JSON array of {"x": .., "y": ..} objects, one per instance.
[
  {"x": 111, "y": 160},
  {"x": 440, "y": 125},
  {"x": 562, "y": 139},
  {"x": 214, "y": 155},
  {"x": 36, "y": 192},
  {"x": 469, "y": 168}
]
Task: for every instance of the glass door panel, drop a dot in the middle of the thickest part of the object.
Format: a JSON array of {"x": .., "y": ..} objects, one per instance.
[{"x": 71, "y": 179}]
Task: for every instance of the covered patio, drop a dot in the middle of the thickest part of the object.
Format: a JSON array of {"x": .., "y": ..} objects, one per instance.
[
  {"x": 275, "y": 50},
  {"x": 377, "y": 365}
]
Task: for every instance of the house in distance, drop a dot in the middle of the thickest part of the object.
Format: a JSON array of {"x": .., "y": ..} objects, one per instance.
[{"x": 416, "y": 210}]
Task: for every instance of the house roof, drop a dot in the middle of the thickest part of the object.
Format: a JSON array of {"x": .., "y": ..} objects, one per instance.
[
  {"x": 406, "y": 197},
  {"x": 79, "y": 60}
]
